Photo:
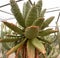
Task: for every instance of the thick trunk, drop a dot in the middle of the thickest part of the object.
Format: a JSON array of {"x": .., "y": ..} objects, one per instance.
[
  {"x": 24, "y": 52},
  {"x": 36, "y": 53}
]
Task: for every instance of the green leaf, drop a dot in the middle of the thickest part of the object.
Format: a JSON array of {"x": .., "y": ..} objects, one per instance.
[
  {"x": 26, "y": 8},
  {"x": 32, "y": 30},
  {"x": 31, "y": 16},
  {"x": 46, "y": 32},
  {"x": 43, "y": 13},
  {"x": 38, "y": 22},
  {"x": 20, "y": 45},
  {"x": 15, "y": 36},
  {"x": 5, "y": 46},
  {"x": 47, "y": 22},
  {"x": 38, "y": 44},
  {"x": 9, "y": 40},
  {"x": 13, "y": 27},
  {"x": 17, "y": 13},
  {"x": 44, "y": 40},
  {"x": 30, "y": 50},
  {"x": 39, "y": 7}
]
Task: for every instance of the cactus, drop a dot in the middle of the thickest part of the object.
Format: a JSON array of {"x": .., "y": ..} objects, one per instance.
[{"x": 33, "y": 29}]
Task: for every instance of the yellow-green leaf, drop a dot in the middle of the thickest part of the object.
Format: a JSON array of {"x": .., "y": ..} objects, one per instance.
[
  {"x": 43, "y": 13},
  {"x": 16, "y": 47},
  {"x": 39, "y": 7},
  {"x": 9, "y": 40},
  {"x": 26, "y": 8},
  {"x": 44, "y": 40},
  {"x": 13, "y": 27},
  {"x": 30, "y": 50},
  {"x": 17, "y": 13},
  {"x": 47, "y": 22},
  {"x": 38, "y": 22},
  {"x": 46, "y": 32},
  {"x": 31, "y": 16},
  {"x": 31, "y": 32},
  {"x": 6, "y": 46},
  {"x": 38, "y": 44}
]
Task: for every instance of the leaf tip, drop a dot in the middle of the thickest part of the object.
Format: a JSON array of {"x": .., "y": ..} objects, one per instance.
[{"x": 44, "y": 52}]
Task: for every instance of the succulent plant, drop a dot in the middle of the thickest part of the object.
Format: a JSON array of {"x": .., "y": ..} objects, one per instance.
[{"x": 33, "y": 29}]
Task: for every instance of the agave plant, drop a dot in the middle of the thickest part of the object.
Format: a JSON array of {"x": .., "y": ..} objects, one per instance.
[{"x": 33, "y": 28}]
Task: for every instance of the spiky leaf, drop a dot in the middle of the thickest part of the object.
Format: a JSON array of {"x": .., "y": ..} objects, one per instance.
[
  {"x": 26, "y": 8},
  {"x": 17, "y": 13},
  {"x": 14, "y": 36},
  {"x": 39, "y": 7},
  {"x": 44, "y": 40},
  {"x": 43, "y": 13},
  {"x": 31, "y": 16},
  {"x": 20, "y": 45},
  {"x": 13, "y": 27},
  {"x": 31, "y": 32},
  {"x": 9, "y": 39},
  {"x": 38, "y": 44},
  {"x": 38, "y": 22},
  {"x": 30, "y": 50},
  {"x": 47, "y": 22},
  {"x": 46, "y": 32},
  {"x": 6, "y": 46}
]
